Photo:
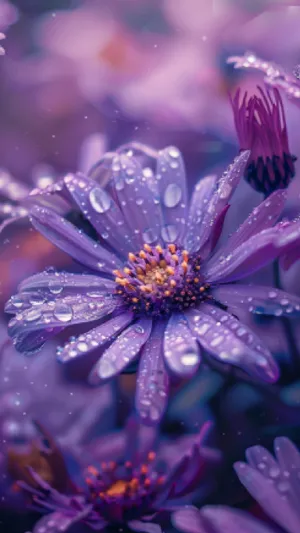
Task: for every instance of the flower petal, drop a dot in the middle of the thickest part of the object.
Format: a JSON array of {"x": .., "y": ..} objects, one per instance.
[
  {"x": 270, "y": 496},
  {"x": 202, "y": 194},
  {"x": 62, "y": 312},
  {"x": 181, "y": 351},
  {"x": 139, "y": 206},
  {"x": 121, "y": 352},
  {"x": 226, "y": 520},
  {"x": 229, "y": 341},
  {"x": 147, "y": 527},
  {"x": 102, "y": 212},
  {"x": 64, "y": 235},
  {"x": 288, "y": 243},
  {"x": 249, "y": 257},
  {"x": 58, "y": 282},
  {"x": 262, "y": 217},
  {"x": 221, "y": 196},
  {"x": 258, "y": 299},
  {"x": 152, "y": 381},
  {"x": 189, "y": 520},
  {"x": 171, "y": 181},
  {"x": 94, "y": 338},
  {"x": 289, "y": 461}
]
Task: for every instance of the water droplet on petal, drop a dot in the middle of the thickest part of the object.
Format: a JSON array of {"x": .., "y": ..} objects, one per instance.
[
  {"x": 149, "y": 236},
  {"x": 100, "y": 200},
  {"x": 37, "y": 299},
  {"x": 172, "y": 195},
  {"x": 169, "y": 233},
  {"x": 54, "y": 287},
  {"x": 63, "y": 312}
]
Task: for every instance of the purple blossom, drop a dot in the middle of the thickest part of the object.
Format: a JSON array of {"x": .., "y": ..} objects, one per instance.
[
  {"x": 30, "y": 388},
  {"x": 272, "y": 481},
  {"x": 173, "y": 294},
  {"x": 261, "y": 128},
  {"x": 128, "y": 478}
]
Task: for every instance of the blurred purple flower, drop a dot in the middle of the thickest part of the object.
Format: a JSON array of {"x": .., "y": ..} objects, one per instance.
[
  {"x": 137, "y": 481},
  {"x": 170, "y": 296},
  {"x": 261, "y": 128},
  {"x": 34, "y": 387},
  {"x": 273, "y": 482}
]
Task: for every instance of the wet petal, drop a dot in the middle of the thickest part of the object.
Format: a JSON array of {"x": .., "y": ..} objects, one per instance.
[
  {"x": 122, "y": 352},
  {"x": 272, "y": 497},
  {"x": 58, "y": 282},
  {"x": 249, "y": 257},
  {"x": 226, "y": 186},
  {"x": 226, "y": 520},
  {"x": 152, "y": 381},
  {"x": 94, "y": 338},
  {"x": 140, "y": 208},
  {"x": 171, "y": 182},
  {"x": 229, "y": 341},
  {"x": 201, "y": 196},
  {"x": 262, "y": 217},
  {"x": 64, "y": 235},
  {"x": 59, "y": 313},
  {"x": 147, "y": 527},
  {"x": 189, "y": 520},
  {"x": 288, "y": 243},
  {"x": 258, "y": 299},
  {"x": 181, "y": 351},
  {"x": 102, "y": 212},
  {"x": 289, "y": 461}
]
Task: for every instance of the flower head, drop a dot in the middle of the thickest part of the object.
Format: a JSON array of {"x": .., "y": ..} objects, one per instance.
[
  {"x": 155, "y": 285},
  {"x": 261, "y": 128},
  {"x": 128, "y": 480}
]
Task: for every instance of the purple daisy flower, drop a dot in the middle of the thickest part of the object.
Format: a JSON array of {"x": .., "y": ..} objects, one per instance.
[
  {"x": 273, "y": 482},
  {"x": 172, "y": 294},
  {"x": 129, "y": 479},
  {"x": 261, "y": 128}
]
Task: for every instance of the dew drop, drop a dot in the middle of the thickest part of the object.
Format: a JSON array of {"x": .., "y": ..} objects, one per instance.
[
  {"x": 169, "y": 233},
  {"x": 173, "y": 152},
  {"x": 190, "y": 358},
  {"x": 172, "y": 195},
  {"x": 149, "y": 236},
  {"x": 54, "y": 287},
  {"x": 63, "y": 312},
  {"x": 100, "y": 200},
  {"x": 37, "y": 299}
]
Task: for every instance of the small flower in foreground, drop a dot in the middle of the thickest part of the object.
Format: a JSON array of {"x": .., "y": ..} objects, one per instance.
[
  {"x": 31, "y": 387},
  {"x": 274, "y": 482},
  {"x": 172, "y": 293},
  {"x": 261, "y": 128},
  {"x": 275, "y": 76},
  {"x": 133, "y": 485}
]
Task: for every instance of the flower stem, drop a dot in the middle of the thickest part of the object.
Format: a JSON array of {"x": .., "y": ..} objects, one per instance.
[{"x": 287, "y": 326}]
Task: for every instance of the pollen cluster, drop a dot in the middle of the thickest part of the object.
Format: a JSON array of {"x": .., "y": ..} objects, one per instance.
[{"x": 158, "y": 281}]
